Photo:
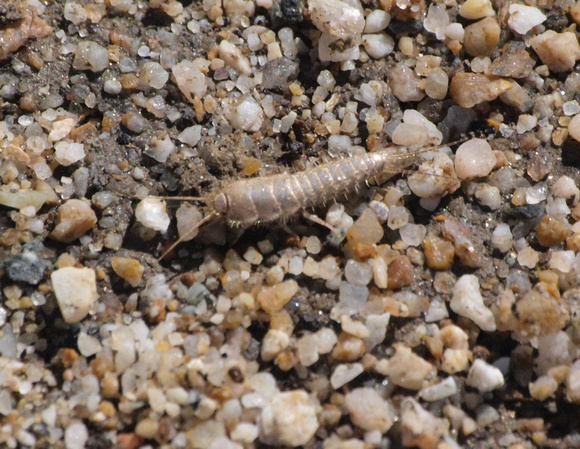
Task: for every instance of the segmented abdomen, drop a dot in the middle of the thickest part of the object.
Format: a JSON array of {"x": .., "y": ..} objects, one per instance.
[{"x": 278, "y": 197}]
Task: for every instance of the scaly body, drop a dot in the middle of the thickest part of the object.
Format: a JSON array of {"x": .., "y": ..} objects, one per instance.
[{"x": 278, "y": 197}]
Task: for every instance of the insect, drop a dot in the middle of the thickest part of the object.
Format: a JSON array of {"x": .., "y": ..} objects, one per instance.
[{"x": 247, "y": 202}]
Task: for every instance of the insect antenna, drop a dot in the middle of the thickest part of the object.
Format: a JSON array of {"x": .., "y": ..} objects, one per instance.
[{"x": 188, "y": 233}]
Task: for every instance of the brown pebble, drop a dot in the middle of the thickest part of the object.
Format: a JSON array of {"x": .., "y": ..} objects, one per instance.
[
  {"x": 348, "y": 348},
  {"x": 187, "y": 279},
  {"x": 107, "y": 408},
  {"x": 100, "y": 365},
  {"x": 236, "y": 374},
  {"x": 286, "y": 360},
  {"x": 439, "y": 253},
  {"x": 110, "y": 385},
  {"x": 551, "y": 231},
  {"x": 74, "y": 218},
  {"x": 469, "y": 89},
  {"x": 530, "y": 425},
  {"x": 69, "y": 356},
  {"x": 129, "y": 440},
  {"x": 400, "y": 273},
  {"x": 482, "y": 37},
  {"x": 273, "y": 299},
  {"x": 129, "y": 269},
  {"x": 363, "y": 251}
]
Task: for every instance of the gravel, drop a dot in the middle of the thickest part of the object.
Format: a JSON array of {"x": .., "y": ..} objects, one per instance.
[{"x": 434, "y": 307}]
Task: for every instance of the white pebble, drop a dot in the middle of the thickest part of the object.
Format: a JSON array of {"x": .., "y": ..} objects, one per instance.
[
  {"x": 377, "y": 21},
  {"x": 571, "y": 108},
  {"x": 440, "y": 390},
  {"x": 160, "y": 149},
  {"x": 112, "y": 87},
  {"x": 308, "y": 349},
  {"x": 152, "y": 213},
  {"x": 474, "y": 159},
  {"x": 468, "y": 302},
  {"x": 75, "y": 290},
  {"x": 88, "y": 345},
  {"x": 574, "y": 127},
  {"x": 344, "y": 373},
  {"x": 526, "y": 122},
  {"x": 562, "y": 261},
  {"x": 378, "y": 45},
  {"x": 154, "y": 75},
  {"x": 412, "y": 234},
  {"x": 288, "y": 420},
  {"x": 501, "y": 238},
  {"x": 246, "y": 114},
  {"x": 191, "y": 135},
  {"x": 484, "y": 376},
  {"x": 326, "y": 339},
  {"x": 358, "y": 273},
  {"x": 489, "y": 196},
  {"x": 76, "y": 436},
  {"x": 337, "y": 19},
  {"x": 190, "y": 80},
  {"x": 523, "y": 18},
  {"x": 67, "y": 153}
]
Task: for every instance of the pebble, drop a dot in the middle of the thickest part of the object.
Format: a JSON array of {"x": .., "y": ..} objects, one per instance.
[
  {"x": 559, "y": 51},
  {"x": 246, "y": 114},
  {"x": 76, "y": 435},
  {"x": 67, "y": 153},
  {"x": 25, "y": 267},
  {"x": 542, "y": 388},
  {"x": 190, "y": 79},
  {"x": 551, "y": 231},
  {"x": 416, "y": 129},
  {"x": 501, "y": 238},
  {"x": 366, "y": 229},
  {"x": 288, "y": 420},
  {"x": 400, "y": 273},
  {"x": 337, "y": 19},
  {"x": 90, "y": 56},
  {"x": 476, "y": 9},
  {"x": 377, "y": 20},
  {"x": 74, "y": 218},
  {"x": 75, "y": 290},
  {"x": 152, "y": 213},
  {"x": 468, "y": 302},
  {"x": 405, "y": 85},
  {"x": 407, "y": 370},
  {"x": 437, "y": 20},
  {"x": 348, "y": 348},
  {"x": 420, "y": 428},
  {"x": 523, "y": 18},
  {"x": 23, "y": 199},
  {"x": 358, "y": 273},
  {"x": 439, "y": 391},
  {"x": 154, "y": 75},
  {"x": 484, "y": 376},
  {"x": 469, "y": 89},
  {"x": 562, "y": 261},
  {"x": 273, "y": 299},
  {"x": 128, "y": 269},
  {"x": 439, "y": 253},
  {"x": 482, "y": 37},
  {"x": 368, "y": 410},
  {"x": 88, "y": 345},
  {"x": 474, "y": 159},
  {"x": 344, "y": 373},
  {"x": 378, "y": 45},
  {"x": 489, "y": 196}
]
